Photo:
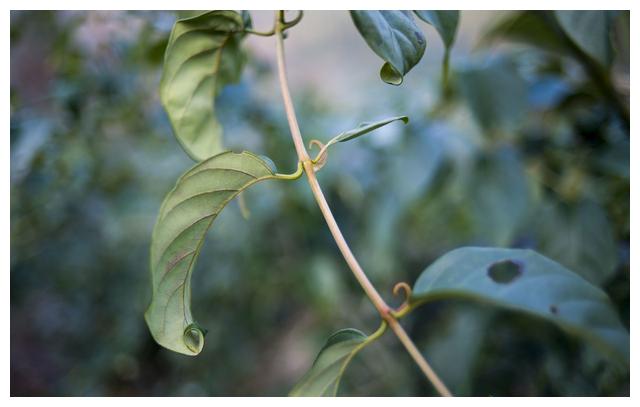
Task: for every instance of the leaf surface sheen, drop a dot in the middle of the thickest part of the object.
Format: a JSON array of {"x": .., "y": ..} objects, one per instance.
[
  {"x": 394, "y": 36},
  {"x": 523, "y": 280}
]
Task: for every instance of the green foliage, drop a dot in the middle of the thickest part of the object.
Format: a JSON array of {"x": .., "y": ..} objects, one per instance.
[
  {"x": 85, "y": 126},
  {"x": 444, "y": 21},
  {"x": 202, "y": 56},
  {"x": 185, "y": 216},
  {"x": 526, "y": 281},
  {"x": 364, "y": 128},
  {"x": 394, "y": 37},
  {"x": 323, "y": 379},
  {"x": 589, "y": 29}
]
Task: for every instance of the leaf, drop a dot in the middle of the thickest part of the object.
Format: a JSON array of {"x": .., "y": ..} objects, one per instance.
[
  {"x": 495, "y": 92},
  {"x": 362, "y": 129},
  {"x": 324, "y": 376},
  {"x": 202, "y": 56},
  {"x": 589, "y": 29},
  {"x": 394, "y": 37},
  {"x": 444, "y": 21},
  {"x": 578, "y": 236},
  {"x": 184, "y": 219},
  {"x": 523, "y": 280},
  {"x": 529, "y": 27}
]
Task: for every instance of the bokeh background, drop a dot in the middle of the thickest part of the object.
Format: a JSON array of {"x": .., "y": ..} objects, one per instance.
[{"x": 528, "y": 146}]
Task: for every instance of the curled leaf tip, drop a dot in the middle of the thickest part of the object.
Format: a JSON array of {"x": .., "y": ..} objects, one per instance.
[{"x": 194, "y": 338}]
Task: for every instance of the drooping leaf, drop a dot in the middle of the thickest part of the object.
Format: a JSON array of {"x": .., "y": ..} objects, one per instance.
[
  {"x": 444, "y": 21},
  {"x": 394, "y": 37},
  {"x": 578, "y": 236},
  {"x": 590, "y": 30},
  {"x": 184, "y": 219},
  {"x": 202, "y": 56},
  {"x": 324, "y": 376},
  {"x": 523, "y": 280}
]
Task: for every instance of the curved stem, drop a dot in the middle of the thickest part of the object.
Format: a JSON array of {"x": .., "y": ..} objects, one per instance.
[{"x": 385, "y": 311}]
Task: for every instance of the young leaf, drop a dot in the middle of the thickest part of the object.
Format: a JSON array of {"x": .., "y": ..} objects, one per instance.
[
  {"x": 394, "y": 37},
  {"x": 523, "y": 280},
  {"x": 184, "y": 219},
  {"x": 324, "y": 376},
  {"x": 363, "y": 129},
  {"x": 202, "y": 56},
  {"x": 444, "y": 21}
]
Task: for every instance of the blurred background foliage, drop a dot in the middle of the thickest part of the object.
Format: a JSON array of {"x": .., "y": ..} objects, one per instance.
[{"x": 526, "y": 146}]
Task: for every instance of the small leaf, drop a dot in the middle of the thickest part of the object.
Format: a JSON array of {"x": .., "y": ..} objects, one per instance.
[
  {"x": 523, "y": 280},
  {"x": 444, "y": 21},
  {"x": 324, "y": 376},
  {"x": 589, "y": 29},
  {"x": 202, "y": 56},
  {"x": 394, "y": 37},
  {"x": 185, "y": 216},
  {"x": 368, "y": 127},
  {"x": 363, "y": 129}
]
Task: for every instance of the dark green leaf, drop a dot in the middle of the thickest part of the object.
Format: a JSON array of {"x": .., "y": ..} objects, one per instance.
[
  {"x": 324, "y": 376},
  {"x": 530, "y": 27},
  {"x": 444, "y": 21},
  {"x": 394, "y": 37},
  {"x": 184, "y": 219},
  {"x": 523, "y": 280},
  {"x": 578, "y": 236},
  {"x": 202, "y": 56},
  {"x": 496, "y": 93},
  {"x": 590, "y": 30}
]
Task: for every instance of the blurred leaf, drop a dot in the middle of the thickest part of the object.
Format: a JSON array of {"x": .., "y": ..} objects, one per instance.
[
  {"x": 495, "y": 92},
  {"x": 530, "y": 27},
  {"x": 589, "y": 29},
  {"x": 324, "y": 376},
  {"x": 523, "y": 280},
  {"x": 578, "y": 236},
  {"x": 444, "y": 21},
  {"x": 184, "y": 219},
  {"x": 394, "y": 37},
  {"x": 202, "y": 56},
  {"x": 499, "y": 196},
  {"x": 460, "y": 336}
]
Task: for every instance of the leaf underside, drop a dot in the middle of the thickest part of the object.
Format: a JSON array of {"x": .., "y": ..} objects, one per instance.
[
  {"x": 368, "y": 127},
  {"x": 324, "y": 376},
  {"x": 523, "y": 280},
  {"x": 186, "y": 215},
  {"x": 394, "y": 37},
  {"x": 202, "y": 56}
]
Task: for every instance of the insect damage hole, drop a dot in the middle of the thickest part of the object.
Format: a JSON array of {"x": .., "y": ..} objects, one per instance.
[{"x": 505, "y": 271}]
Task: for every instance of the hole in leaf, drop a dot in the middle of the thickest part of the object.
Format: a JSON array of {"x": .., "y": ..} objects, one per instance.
[{"x": 504, "y": 272}]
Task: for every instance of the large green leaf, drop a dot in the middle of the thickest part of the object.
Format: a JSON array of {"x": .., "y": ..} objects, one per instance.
[
  {"x": 394, "y": 37},
  {"x": 324, "y": 376},
  {"x": 578, "y": 236},
  {"x": 184, "y": 219},
  {"x": 444, "y": 21},
  {"x": 202, "y": 56},
  {"x": 590, "y": 30},
  {"x": 526, "y": 281}
]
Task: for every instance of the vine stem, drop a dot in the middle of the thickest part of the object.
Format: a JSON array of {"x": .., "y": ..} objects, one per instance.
[{"x": 385, "y": 311}]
